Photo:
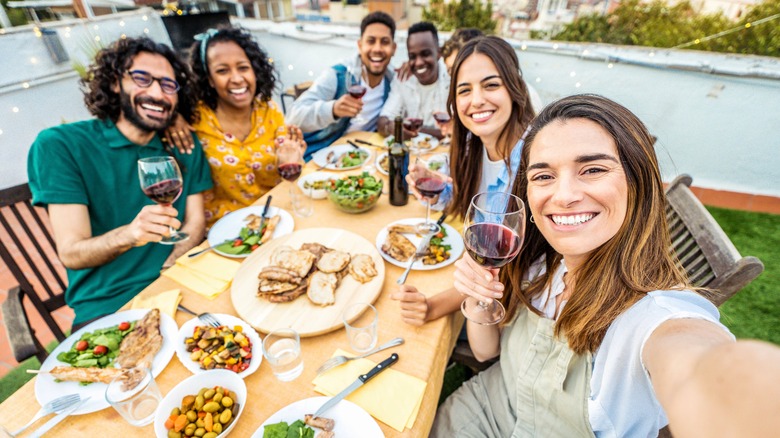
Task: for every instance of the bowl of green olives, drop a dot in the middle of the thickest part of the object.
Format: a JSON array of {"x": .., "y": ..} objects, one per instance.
[{"x": 206, "y": 405}]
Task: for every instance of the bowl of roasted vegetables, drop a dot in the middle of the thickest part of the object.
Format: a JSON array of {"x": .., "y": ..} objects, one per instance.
[
  {"x": 234, "y": 346},
  {"x": 355, "y": 193},
  {"x": 205, "y": 405}
]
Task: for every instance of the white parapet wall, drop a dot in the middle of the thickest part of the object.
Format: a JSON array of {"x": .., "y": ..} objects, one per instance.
[{"x": 715, "y": 115}]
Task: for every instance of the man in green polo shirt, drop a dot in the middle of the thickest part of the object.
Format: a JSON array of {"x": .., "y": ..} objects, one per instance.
[{"x": 86, "y": 173}]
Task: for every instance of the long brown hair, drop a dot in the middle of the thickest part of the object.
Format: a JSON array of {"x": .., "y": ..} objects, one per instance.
[
  {"x": 635, "y": 261},
  {"x": 466, "y": 151}
]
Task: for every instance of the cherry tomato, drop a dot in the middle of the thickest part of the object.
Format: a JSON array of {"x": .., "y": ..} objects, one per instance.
[
  {"x": 234, "y": 368},
  {"x": 243, "y": 366},
  {"x": 100, "y": 350},
  {"x": 124, "y": 326},
  {"x": 254, "y": 247},
  {"x": 81, "y": 345},
  {"x": 238, "y": 242}
]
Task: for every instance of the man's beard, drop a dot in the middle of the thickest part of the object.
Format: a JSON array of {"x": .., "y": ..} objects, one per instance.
[{"x": 148, "y": 125}]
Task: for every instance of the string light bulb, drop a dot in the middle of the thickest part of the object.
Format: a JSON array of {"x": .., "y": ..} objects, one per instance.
[
  {"x": 290, "y": 67},
  {"x": 15, "y": 109},
  {"x": 25, "y": 85},
  {"x": 122, "y": 23},
  {"x": 610, "y": 65}
]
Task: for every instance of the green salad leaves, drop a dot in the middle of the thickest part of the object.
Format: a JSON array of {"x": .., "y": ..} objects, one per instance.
[{"x": 282, "y": 430}]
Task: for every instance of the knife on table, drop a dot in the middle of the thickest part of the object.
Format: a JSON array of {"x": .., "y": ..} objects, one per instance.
[
  {"x": 56, "y": 420},
  {"x": 368, "y": 143},
  {"x": 422, "y": 248},
  {"x": 264, "y": 216},
  {"x": 361, "y": 380}
]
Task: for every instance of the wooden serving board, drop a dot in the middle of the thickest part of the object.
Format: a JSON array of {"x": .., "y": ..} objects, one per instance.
[{"x": 306, "y": 318}]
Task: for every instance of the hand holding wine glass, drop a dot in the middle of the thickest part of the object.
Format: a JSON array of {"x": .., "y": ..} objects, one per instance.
[
  {"x": 427, "y": 185},
  {"x": 444, "y": 123},
  {"x": 493, "y": 234},
  {"x": 161, "y": 181},
  {"x": 356, "y": 88}
]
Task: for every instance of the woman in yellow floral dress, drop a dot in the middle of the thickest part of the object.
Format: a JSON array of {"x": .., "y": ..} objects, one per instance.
[{"x": 239, "y": 126}]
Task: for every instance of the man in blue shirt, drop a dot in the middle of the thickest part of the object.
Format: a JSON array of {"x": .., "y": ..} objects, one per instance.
[{"x": 86, "y": 173}]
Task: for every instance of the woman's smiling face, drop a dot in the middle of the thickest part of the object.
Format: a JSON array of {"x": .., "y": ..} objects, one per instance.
[
  {"x": 231, "y": 74},
  {"x": 577, "y": 188},
  {"x": 481, "y": 98}
]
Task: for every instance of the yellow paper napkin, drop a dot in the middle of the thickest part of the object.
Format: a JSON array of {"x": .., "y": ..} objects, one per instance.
[
  {"x": 376, "y": 139},
  {"x": 392, "y": 397},
  {"x": 166, "y": 302},
  {"x": 207, "y": 274}
]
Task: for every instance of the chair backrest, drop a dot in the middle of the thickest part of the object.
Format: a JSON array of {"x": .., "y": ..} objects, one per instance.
[
  {"x": 702, "y": 247},
  {"x": 28, "y": 250}
]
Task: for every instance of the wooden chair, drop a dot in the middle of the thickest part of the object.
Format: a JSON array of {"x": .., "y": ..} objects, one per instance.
[
  {"x": 702, "y": 247},
  {"x": 29, "y": 252},
  {"x": 295, "y": 92}
]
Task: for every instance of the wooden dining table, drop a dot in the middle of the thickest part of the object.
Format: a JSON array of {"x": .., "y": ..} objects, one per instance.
[{"x": 424, "y": 354}]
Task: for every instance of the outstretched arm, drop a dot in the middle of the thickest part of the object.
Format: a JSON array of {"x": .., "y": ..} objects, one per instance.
[
  {"x": 78, "y": 249},
  {"x": 710, "y": 385}
]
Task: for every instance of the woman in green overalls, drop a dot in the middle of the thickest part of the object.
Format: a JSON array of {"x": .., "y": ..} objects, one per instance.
[{"x": 604, "y": 336}]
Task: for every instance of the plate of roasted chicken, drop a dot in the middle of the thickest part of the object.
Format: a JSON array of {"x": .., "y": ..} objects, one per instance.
[
  {"x": 305, "y": 280},
  {"x": 397, "y": 243},
  {"x": 233, "y": 346},
  {"x": 104, "y": 349}
]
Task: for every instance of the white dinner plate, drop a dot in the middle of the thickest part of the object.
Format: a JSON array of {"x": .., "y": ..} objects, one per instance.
[
  {"x": 313, "y": 177},
  {"x": 453, "y": 239},
  {"x": 191, "y": 386},
  {"x": 320, "y": 157},
  {"x": 231, "y": 321},
  {"x": 46, "y": 388},
  {"x": 230, "y": 225},
  {"x": 415, "y": 143},
  {"x": 382, "y": 170},
  {"x": 351, "y": 420}
]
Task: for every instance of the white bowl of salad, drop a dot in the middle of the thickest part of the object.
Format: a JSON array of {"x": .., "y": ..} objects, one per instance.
[
  {"x": 314, "y": 184},
  {"x": 355, "y": 193}
]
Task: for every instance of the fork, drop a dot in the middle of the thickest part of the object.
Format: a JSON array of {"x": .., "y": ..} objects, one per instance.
[
  {"x": 340, "y": 360},
  {"x": 331, "y": 158},
  {"x": 55, "y": 405},
  {"x": 204, "y": 317}
]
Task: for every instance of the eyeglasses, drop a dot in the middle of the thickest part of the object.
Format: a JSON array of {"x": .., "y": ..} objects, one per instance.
[{"x": 144, "y": 79}]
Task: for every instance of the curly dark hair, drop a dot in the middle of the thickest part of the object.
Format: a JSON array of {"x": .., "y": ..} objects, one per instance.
[
  {"x": 267, "y": 78},
  {"x": 114, "y": 61},
  {"x": 423, "y": 26}
]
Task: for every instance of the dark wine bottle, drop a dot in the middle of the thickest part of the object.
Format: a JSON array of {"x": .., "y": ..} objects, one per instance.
[{"x": 398, "y": 166}]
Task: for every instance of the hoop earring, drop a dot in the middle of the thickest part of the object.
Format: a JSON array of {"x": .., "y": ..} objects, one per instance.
[{"x": 532, "y": 219}]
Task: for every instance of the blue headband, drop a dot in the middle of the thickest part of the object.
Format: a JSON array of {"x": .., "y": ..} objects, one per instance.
[{"x": 204, "y": 42}]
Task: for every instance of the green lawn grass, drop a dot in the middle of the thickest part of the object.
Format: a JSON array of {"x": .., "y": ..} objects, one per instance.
[{"x": 754, "y": 312}]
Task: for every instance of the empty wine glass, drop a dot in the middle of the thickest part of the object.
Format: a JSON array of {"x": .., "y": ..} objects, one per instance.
[
  {"x": 161, "y": 181},
  {"x": 430, "y": 183},
  {"x": 493, "y": 233},
  {"x": 356, "y": 88}
]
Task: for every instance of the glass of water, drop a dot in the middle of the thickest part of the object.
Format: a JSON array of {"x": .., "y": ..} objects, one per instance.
[
  {"x": 282, "y": 350},
  {"x": 360, "y": 320},
  {"x": 135, "y": 395}
]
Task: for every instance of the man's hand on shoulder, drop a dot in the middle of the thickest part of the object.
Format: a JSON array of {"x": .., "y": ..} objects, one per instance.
[{"x": 347, "y": 106}]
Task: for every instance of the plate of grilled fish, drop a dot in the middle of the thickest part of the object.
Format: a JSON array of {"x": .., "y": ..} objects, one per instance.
[
  {"x": 149, "y": 344},
  {"x": 305, "y": 280},
  {"x": 397, "y": 243}
]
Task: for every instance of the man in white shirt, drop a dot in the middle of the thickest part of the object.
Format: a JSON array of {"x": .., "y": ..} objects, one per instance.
[{"x": 425, "y": 92}]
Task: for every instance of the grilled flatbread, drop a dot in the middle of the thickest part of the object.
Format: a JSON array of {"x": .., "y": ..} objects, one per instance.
[{"x": 403, "y": 228}]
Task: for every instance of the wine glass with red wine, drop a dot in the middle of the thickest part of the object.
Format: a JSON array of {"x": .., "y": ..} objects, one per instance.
[
  {"x": 289, "y": 164},
  {"x": 430, "y": 184},
  {"x": 356, "y": 88},
  {"x": 443, "y": 120},
  {"x": 161, "y": 181},
  {"x": 493, "y": 233}
]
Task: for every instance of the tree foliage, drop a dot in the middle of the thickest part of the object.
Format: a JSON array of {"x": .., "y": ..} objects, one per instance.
[
  {"x": 461, "y": 13},
  {"x": 658, "y": 24}
]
